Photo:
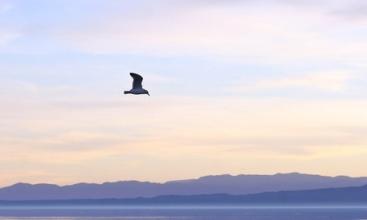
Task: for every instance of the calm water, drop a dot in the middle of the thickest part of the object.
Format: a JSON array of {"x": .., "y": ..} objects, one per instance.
[{"x": 180, "y": 213}]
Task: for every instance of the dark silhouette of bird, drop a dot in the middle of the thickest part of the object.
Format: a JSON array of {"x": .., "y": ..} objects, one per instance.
[{"x": 137, "y": 85}]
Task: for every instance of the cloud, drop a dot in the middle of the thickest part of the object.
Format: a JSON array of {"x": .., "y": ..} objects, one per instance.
[
  {"x": 352, "y": 11},
  {"x": 7, "y": 33},
  {"x": 5, "y": 6},
  {"x": 325, "y": 81},
  {"x": 126, "y": 138},
  {"x": 7, "y": 37},
  {"x": 264, "y": 33}
]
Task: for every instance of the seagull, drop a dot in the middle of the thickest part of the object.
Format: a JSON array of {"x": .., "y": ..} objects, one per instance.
[{"x": 137, "y": 85}]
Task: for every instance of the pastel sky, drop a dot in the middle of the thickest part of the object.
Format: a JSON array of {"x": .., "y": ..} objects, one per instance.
[{"x": 237, "y": 86}]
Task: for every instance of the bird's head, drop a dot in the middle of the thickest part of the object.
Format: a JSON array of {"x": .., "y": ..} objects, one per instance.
[{"x": 146, "y": 92}]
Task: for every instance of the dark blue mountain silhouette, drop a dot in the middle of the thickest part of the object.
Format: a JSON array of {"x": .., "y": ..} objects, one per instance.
[
  {"x": 346, "y": 195},
  {"x": 223, "y": 184}
]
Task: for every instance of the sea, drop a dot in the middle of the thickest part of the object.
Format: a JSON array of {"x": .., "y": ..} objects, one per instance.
[{"x": 182, "y": 212}]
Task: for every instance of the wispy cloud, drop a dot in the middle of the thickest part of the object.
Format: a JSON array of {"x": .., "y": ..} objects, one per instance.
[
  {"x": 5, "y": 6},
  {"x": 326, "y": 81},
  {"x": 352, "y": 11},
  {"x": 7, "y": 36},
  {"x": 206, "y": 130},
  {"x": 7, "y": 32},
  {"x": 258, "y": 33}
]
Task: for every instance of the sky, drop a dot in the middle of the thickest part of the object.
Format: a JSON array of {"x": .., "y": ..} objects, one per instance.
[{"x": 237, "y": 87}]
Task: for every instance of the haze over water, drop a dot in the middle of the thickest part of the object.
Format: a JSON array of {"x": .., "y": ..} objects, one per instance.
[{"x": 188, "y": 212}]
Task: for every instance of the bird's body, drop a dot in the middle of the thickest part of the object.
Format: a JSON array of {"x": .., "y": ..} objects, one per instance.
[
  {"x": 136, "y": 91},
  {"x": 137, "y": 85}
]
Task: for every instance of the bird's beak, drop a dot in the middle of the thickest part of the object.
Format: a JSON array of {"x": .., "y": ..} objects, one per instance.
[{"x": 148, "y": 94}]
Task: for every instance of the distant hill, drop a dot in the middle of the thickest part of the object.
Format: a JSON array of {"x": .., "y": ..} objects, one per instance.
[
  {"x": 333, "y": 196},
  {"x": 222, "y": 184},
  {"x": 346, "y": 195}
]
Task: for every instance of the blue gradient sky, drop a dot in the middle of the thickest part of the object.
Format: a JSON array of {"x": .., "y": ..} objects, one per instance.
[{"x": 238, "y": 86}]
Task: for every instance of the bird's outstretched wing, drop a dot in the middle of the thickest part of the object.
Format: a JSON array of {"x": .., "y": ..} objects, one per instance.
[{"x": 137, "y": 83}]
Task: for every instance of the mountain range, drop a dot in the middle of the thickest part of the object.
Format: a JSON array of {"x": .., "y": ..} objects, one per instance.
[
  {"x": 345, "y": 195},
  {"x": 355, "y": 196},
  {"x": 228, "y": 185}
]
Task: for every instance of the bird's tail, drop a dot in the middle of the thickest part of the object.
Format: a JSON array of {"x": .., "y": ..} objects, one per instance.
[{"x": 127, "y": 92}]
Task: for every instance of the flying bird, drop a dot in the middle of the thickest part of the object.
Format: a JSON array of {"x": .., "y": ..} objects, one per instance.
[{"x": 137, "y": 85}]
